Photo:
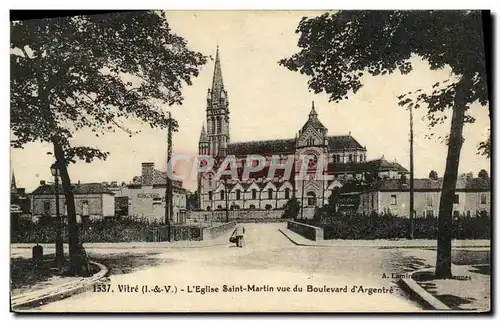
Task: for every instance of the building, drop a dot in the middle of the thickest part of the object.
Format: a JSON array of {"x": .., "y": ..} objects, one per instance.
[
  {"x": 146, "y": 195},
  {"x": 392, "y": 196},
  {"x": 346, "y": 160},
  {"x": 92, "y": 200}
]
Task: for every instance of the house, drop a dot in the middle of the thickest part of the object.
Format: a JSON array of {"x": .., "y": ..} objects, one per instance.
[
  {"x": 145, "y": 196},
  {"x": 92, "y": 200},
  {"x": 392, "y": 196}
]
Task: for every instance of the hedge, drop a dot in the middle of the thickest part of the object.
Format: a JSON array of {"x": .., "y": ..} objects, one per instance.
[{"x": 391, "y": 227}]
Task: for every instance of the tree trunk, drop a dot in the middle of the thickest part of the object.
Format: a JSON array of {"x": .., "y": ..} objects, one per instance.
[
  {"x": 443, "y": 260},
  {"x": 79, "y": 265}
]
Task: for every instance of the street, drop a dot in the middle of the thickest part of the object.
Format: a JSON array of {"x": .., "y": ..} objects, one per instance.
[{"x": 263, "y": 269}]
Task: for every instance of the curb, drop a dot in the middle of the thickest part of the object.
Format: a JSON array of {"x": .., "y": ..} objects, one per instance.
[
  {"x": 380, "y": 247},
  {"x": 60, "y": 292},
  {"x": 300, "y": 244},
  {"x": 414, "y": 289}
]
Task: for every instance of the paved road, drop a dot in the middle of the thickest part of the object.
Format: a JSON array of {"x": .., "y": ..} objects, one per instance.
[{"x": 268, "y": 260}]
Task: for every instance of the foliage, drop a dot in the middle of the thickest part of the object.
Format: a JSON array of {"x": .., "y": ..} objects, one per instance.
[
  {"x": 338, "y": 49},
  {"x": 483, "y": 174},
  {"x": 433, "y": 175},
  {"x": 390, "y": 227},
  {"x": 62, "y": 80},
  {"x": 125, "y": 229},
  {"x": 291, "y": 208}
]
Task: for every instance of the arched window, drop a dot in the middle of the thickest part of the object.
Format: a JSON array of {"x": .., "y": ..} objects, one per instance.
[
  {"x": 213, "y": 125},
  {"x": 210, "y": 195},
  {"x": 238, "y": 194},
  {"x": 254, "y": 194},
  {"x": 269, "y": 193},
  {"x": 222, "y": 195},
  {"x": 208, "y": 208},
  {"x": 287, "y": 193},
  {"x": 251, "y": 207},
  {"x": 350, "y": 157}
]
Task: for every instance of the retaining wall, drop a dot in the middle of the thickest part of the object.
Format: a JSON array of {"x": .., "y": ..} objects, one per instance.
[{"x": 216, "y": 231}]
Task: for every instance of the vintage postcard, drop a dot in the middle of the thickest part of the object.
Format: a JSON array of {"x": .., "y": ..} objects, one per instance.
[{"x": 250, "y": 161}]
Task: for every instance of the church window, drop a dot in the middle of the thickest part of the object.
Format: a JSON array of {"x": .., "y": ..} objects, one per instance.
[
  {"x": 310, "y": 141},
  {"x": 238, "y": 195},
  {"x": 269, "y": 193},
  {"x": 483, "y": 199},
  {"x": 254, "y": 194},
  {"x": 222, "y": 195},
  {"x": 210, "y": 195},
  {"x": 213, "y": 125},
  {"x": 287, "y": 193}
]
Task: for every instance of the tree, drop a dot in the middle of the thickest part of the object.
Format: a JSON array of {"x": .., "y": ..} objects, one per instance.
[
  {"x": 291, "y": 208},
  {"x": 90, "y": 72},
  {"x": 483, "y": 174},
  {"x": 337, "y": 49},
  {"x": 433, "y": 175}
]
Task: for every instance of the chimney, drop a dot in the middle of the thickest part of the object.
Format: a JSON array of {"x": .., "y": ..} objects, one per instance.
[
  {"x": 147, "y": 173},
  {"x": 42, "y": 182}
]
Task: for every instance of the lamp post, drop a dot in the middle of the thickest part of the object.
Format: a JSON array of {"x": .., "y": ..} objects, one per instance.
[{"x": 59, "y": 241}]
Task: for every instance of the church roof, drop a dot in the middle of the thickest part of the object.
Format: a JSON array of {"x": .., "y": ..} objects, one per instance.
[
  {"x": 313, "y": 120},
  {"x": 287, "y": 146},
  {"x": 372, "y": 165}
]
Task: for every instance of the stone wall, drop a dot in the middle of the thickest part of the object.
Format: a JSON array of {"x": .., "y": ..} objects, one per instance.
[
  {"x": 196, "y": 217},
  {"x": 217, "y": 230},
  {"x": 308, "y": 231}
]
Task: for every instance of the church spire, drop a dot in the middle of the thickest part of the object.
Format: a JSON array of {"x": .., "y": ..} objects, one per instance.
[
  {"x": 217, "y": 82},
  {"x": 313, "y": 112}
]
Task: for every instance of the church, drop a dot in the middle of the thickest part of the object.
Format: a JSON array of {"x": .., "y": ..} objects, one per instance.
[{"x": 346, "y": 161}]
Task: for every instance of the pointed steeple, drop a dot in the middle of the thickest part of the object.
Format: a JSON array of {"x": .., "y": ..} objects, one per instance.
[
  {"x": 217, "y": 82},
  {"x": 203, "y": 135},
  {"x": 313, "y": 112},
  {"x": 13, "y": 186}
]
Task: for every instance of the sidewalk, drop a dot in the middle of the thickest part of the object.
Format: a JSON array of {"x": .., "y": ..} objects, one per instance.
[
  {"x": 468, "y": 291},
  {"x": 381, "y": 243},
  {"x": 55, "y": 289},
  {"x": 219, "y": 241}
]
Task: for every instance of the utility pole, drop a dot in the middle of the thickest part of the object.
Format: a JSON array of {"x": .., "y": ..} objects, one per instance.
[
  {"x": 168, "y": 191},
  {"x": 412, "y": 202},
  {"x": 227, "y": 201},
  {"x": 302, "y": 200},
  {"x": 59, "y": 239}
]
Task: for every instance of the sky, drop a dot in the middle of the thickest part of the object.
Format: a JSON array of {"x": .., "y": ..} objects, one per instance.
[{"x": 267, "y": 101}]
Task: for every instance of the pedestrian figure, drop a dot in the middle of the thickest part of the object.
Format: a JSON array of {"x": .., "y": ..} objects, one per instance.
[{"x": 240, "y": 232}]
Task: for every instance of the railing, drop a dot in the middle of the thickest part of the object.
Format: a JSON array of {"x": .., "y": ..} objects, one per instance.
[
  {"x": 216, "y": 231},
  {"x": 308, "y": 231}
]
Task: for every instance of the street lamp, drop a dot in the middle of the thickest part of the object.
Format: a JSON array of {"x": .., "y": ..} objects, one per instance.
[{"x": 59, "y": 241}]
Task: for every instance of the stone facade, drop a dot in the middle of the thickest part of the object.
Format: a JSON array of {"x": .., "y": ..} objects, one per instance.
[
  {"x": 92, "y": 200},
  {"x": 146, "y": 195},
  {"x": 473, "y": 196}
]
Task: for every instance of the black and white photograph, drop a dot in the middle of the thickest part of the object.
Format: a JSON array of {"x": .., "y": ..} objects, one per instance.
[{"x": 257, "y": 161}]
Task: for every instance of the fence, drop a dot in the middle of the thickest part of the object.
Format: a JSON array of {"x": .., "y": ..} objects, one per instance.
[{"x": 308, "y": 231}]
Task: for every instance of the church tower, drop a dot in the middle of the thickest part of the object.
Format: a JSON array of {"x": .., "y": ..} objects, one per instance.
[{"x": 217, "y": 113}]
